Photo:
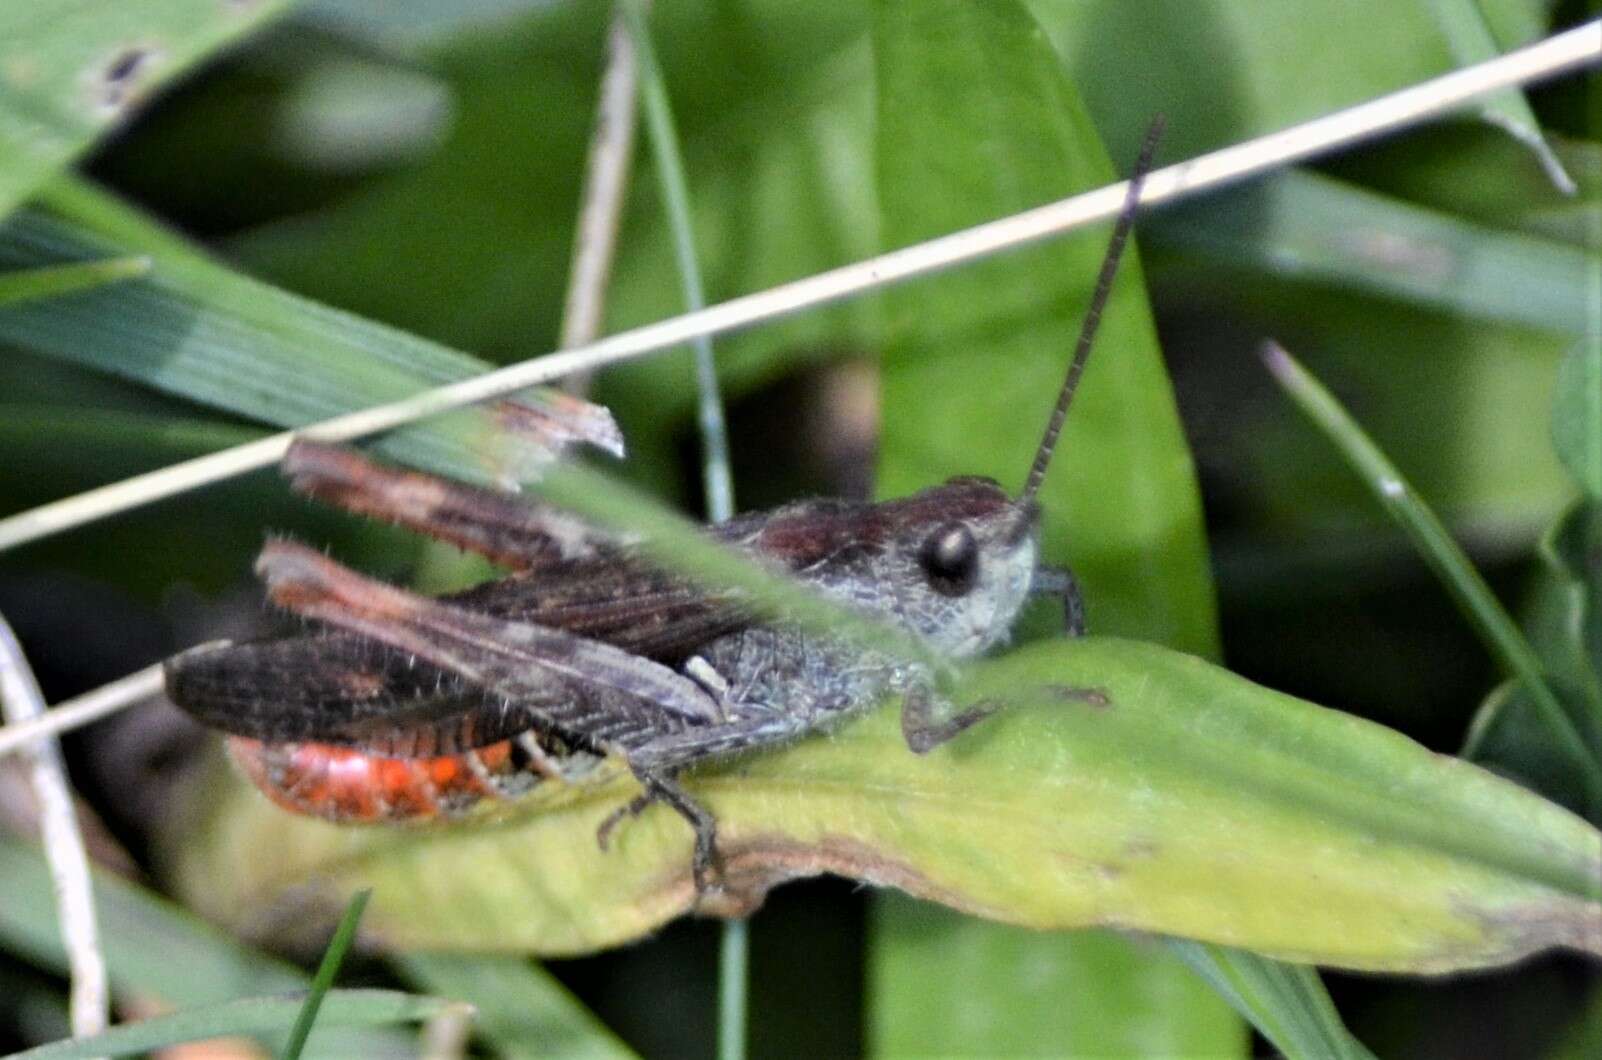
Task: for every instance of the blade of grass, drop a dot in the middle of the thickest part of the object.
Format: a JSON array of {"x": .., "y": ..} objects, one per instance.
[
  {"x": 1577, "y": 399},
  {"x": 26, "y": 285},
  {"x": 1470, "y": 38},
  {"x": 153, "y": 947},
  {"x": 523, "y": 1012},
  {"x": 323, "y": 981},
  {"x": 200, "y": 330},
  {"x": 1306, "y": 225},
  {"x": 1479, "y": 605},
  {"x": 1286, "y": 1002},
  {"x": 1572, "y": 49},
  {"x": 676, "y": 201},
  {"x": 717, "y": 480},
  {"x": 249, "y": 1016}
]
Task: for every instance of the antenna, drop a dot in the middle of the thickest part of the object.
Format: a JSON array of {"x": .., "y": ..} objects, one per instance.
[{"x": 1098, "y": 302}]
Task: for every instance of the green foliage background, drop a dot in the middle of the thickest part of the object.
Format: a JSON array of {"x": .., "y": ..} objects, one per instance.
[{"x": 419, "y": 171}]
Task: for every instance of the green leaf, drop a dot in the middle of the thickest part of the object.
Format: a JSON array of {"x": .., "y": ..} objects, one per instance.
[
  {"x": 936, "y": 986},
  {"x": 71, "y": 71},
  {"x": 1563, "y": 622},
  {"x": 1226, "y": 70},
  {"x": 1470, "y": 37},
  {"x": 1478, "y": 174},
  {"x": 202, "y": 331},
  {"x": 1479, "y": 605},
  {"x": 975, "y": 121},
  {"x": 1577, "y": 398},
  {"x": 153, "y": 949},
  {"x": 114, "y": 433},
  {"x": 1287, "y": 1003},
  {"x": 1310, "y": 227},
  {"x": 327, "y": 969},
  {"x": 1192, "y": 803},
  {"x": 522, "y": 1011},
  {"x": 259, "y": 1015},
  {"x": 976, "y": 356},
  {"x": 27, "y": 285},
  {"x": 777, "y": 153}
]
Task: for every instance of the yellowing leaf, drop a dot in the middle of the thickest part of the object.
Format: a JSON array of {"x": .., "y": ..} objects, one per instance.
[{"x": 1191, "y": 802}]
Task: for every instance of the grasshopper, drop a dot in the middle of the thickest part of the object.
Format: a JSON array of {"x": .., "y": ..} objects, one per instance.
[{"x": 403, "y": 707}]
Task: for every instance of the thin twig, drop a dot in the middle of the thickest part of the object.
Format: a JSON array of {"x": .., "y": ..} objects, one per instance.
[
  {"x": 81, "y": 710},
  {"x": 1558, "y": 54},
  {"x": 606, "y": 181},
  {"x": 20, "y": 701},
  {"x": 715, "y": 474}
]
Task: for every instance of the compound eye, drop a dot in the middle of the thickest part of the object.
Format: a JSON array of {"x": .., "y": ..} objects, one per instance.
[{"x": 950, "y": 559}]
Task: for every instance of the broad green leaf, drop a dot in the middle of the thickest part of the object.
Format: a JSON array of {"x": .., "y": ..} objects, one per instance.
[
  {"x": 1287, "y": 1003},
  {"x": 1577, "y": 397},
  {"x": 72, "y": 69},
  {"x": 975, "y": 121},
  {"x": 154, "y": 950},
  {"x": 1301, "y": 225},
  {"x": 935, "y": 987},
  {"x": 522, "y": 1011},
  {"x": 1192, "y": 803},
  {"x": 26, "y": 285},
  {"x": 976, "y": 357},
  {"x": 1472, "y": 38},
  {"x": 251, "y": 1016}
]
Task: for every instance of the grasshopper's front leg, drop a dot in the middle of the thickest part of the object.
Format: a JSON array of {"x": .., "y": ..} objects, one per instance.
[
  {"x": 926, "y": 722},
  {"x": 1060, "y": 582}
]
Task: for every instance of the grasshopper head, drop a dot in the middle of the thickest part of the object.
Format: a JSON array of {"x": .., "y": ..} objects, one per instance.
[{"x": 964, "y": 560}]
